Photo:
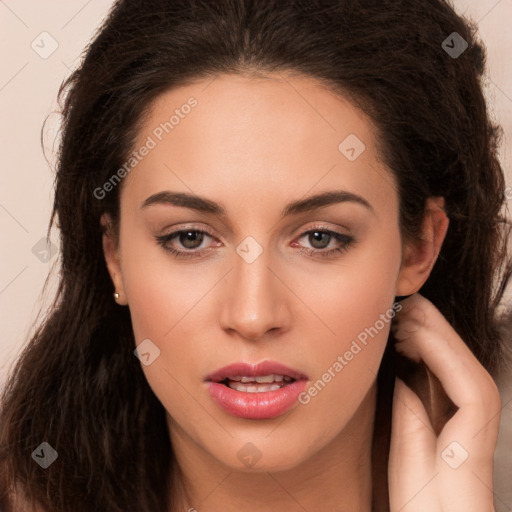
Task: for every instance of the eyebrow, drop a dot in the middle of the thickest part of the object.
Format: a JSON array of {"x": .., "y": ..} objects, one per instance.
[{"x": 307, "y": 204}]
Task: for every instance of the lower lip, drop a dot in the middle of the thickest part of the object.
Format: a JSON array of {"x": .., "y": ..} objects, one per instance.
[{"x": 256, "y": 406}]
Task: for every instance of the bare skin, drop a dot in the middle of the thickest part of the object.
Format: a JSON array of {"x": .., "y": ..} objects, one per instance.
[
  {"x": 454, "y": 471},
  {"x": 253, "y": 145}
]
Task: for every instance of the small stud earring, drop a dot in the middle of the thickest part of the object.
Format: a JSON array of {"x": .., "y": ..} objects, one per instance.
[{"x": 116, "y": 296}]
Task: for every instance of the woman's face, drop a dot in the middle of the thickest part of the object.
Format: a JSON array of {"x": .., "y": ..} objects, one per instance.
[{"x": 310, "y": 286}]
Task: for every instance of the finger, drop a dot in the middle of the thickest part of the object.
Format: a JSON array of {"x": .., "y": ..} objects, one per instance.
[
  {"x": 423, "y": 333},
  {"x": 466, "y": 444},
  {"x": 412, "y": 474}
]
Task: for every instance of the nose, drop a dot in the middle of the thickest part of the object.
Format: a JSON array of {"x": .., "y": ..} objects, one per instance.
[{"x": 256, "y": 300}]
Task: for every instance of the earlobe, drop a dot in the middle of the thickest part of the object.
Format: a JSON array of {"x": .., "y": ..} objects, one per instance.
[
  {"x": 421, "y": 255},
  {"x": 111, "y": 253}
]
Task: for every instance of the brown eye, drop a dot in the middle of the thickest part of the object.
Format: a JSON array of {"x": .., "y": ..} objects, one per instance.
[
  {"x": 315, "y": 238},
  {"x": 191, "y": 239},
  {"x": 184, "y": 243},
  {"x": 320, "y": 239}
]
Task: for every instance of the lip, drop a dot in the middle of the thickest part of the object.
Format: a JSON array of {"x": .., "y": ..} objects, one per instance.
[
  {"x": 268, "y": 404},
  {"x": 255, "y": 370}
]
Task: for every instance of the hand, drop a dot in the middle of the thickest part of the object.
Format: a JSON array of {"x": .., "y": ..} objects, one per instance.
[{"x": 452, "y": 472}]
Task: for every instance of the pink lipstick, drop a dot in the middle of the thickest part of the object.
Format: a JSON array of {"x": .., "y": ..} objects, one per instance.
[{"x": 260, "y": 391}]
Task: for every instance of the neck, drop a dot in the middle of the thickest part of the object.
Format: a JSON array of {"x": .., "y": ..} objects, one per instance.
[{"x": 338, "y": 477}]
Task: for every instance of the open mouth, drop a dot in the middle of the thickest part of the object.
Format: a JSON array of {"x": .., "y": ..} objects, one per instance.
[
  {"x": 256, "y": 391},
  {"x": 260, "y": 384}
]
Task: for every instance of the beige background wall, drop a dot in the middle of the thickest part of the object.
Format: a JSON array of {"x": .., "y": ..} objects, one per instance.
[{"x": 40, "y": 42}]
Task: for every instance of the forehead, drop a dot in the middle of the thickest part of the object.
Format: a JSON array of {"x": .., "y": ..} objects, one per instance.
[{"x": 248, "y": 134}]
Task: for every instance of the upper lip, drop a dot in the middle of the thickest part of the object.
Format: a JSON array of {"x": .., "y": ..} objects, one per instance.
[{"x": 254, "y": 370}]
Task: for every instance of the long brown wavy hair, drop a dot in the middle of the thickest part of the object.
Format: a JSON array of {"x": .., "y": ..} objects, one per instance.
[{"x": 77, "y": 384}]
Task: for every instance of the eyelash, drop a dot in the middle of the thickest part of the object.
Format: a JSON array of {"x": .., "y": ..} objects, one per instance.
[{"x": 347, "y": 241}]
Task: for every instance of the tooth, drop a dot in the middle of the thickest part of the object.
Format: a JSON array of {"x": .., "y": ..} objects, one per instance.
[
  {"x": 278, "y": 378},
  {"x": 287, "y": 379},
  {"x": 237, "y": 378},
  {"x": 237, "y": 387},
  {"x": 265, "y": 378},
  {"x": 254, "y": 388},
  {"x": 247, "y": 379}
]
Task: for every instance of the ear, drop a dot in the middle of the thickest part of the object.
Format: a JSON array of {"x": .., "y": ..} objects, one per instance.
[
  {"x": 111, "y": 252},
  {"x": 420, "y": 255}
]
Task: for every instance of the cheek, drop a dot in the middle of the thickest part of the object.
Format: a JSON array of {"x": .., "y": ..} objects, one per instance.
[
  {"x": 164, "y": 301},
  {"x": 161, "y": 293},
  {"x": 346, "y": 369},
  {"x": 350, "y": 296},
  {"x": 161, "y": 297},
  {"x": 355, "y": 303}
]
